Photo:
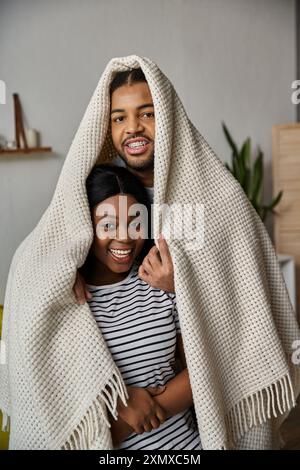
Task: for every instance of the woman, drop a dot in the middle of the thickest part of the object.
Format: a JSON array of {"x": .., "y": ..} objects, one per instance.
[{"x": 139, "y": 323}]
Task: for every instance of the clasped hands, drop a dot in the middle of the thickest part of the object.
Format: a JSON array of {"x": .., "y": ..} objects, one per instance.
[{"x": 142, "y": 412}]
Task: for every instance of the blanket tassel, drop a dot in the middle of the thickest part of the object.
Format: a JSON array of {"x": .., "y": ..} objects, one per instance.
[
  {"x": 257, "y": 408},
  {"x": 88, "y": 429}
]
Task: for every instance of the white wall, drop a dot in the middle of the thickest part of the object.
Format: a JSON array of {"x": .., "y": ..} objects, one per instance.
[{"x": 232, "y": 60}]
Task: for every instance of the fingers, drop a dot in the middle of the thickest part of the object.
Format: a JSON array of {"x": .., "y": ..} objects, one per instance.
[
  {"x": 164, "y": 249},
  {"x": 155, "y": 422},
  {"x": 139, "y": 429},
  {"x": 154, "y": 258},
  {"x": 80, "y": 291},
  {"x": 88, "y": 295},
  {"x": 143, "y": 273},
  {"x": 147, "y": 266},
  {"x": 160, "y": 414},
  {"x": 156, "y": 390},
  {"x": 147, "y": 426}
]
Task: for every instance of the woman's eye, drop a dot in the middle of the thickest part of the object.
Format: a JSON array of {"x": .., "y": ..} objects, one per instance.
[
  {"x": 108, "y": 226},
  {"x": 136, "y": 225}
]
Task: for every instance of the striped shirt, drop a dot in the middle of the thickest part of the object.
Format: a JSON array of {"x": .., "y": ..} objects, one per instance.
[{"x": 139, "y": 324}]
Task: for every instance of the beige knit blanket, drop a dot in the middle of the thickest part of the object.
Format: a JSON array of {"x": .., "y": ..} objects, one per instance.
[{"x": 237, "y": 322}]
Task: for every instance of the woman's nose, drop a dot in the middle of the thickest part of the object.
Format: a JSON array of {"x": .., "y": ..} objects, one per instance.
[{"x": 123, "y": 233}]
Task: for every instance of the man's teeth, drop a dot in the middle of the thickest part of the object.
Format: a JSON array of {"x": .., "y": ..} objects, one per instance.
[
  {"x": 137, "y": 144},
  {"x": 121, "y": 253}
]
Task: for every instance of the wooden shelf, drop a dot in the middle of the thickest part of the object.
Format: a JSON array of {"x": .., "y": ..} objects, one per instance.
[{"x": 29, "y": 150}]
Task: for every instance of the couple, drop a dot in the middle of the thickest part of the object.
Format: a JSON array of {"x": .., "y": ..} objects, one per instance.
[
  {"x": 130, "y": 288},
  {"x": 87, "y": 374}
]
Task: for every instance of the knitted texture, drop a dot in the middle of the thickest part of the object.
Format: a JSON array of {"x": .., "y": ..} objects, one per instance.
[{"x": 237, "y": 322}]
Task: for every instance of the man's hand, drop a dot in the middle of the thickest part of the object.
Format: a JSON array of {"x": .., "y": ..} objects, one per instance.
[
  {"x": 142, "y": 413},
  {"x": 80, "y": 291},
  {"x": 157, "y": 267}
]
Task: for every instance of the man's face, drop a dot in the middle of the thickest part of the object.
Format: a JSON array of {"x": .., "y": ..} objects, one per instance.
[{"x": 132, "y": 118}]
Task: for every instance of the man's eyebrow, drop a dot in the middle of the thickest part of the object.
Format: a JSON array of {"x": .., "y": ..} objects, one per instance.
[{"x": 147, "y": 105}]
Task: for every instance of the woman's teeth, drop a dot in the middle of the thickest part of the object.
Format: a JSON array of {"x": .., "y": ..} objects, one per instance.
[{"x": 120, "y": 253}]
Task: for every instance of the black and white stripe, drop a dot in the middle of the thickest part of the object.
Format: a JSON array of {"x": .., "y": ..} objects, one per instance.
[{"x": 139, "y": 324}]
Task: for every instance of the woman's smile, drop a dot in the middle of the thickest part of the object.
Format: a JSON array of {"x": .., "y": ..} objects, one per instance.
[{"x": 121, "y": 256}]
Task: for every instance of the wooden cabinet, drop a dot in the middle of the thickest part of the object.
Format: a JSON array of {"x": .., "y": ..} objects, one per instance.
[{"x": 286, "y": 176}]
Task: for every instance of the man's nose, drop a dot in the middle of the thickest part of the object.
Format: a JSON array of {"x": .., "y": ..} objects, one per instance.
[{"x": 134, "y": 125}]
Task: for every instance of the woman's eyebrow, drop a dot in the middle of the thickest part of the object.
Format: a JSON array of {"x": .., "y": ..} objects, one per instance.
[
  {"x": 147, "y": 105},
  {"x": 115, "y": 216}
]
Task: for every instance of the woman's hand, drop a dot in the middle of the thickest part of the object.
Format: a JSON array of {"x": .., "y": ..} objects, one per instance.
[
  {"x": 80, "y": 291},
  {"x": 142, "y": 413},
  {"x": 157, "y": 267}
]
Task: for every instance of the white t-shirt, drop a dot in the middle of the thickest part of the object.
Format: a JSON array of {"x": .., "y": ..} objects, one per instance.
[{"x": 139, "y": 324}]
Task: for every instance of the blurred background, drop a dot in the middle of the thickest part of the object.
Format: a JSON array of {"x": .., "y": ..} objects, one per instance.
[{"x": 231, "y": 61}]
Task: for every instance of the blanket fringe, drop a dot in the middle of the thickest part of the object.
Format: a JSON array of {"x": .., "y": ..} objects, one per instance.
[
  {"x": 86, "y": 432},
  {"x": 260, "y": 406}
]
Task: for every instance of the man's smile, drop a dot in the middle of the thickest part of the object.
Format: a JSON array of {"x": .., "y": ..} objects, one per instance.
[{"x": 138, "y": 148}]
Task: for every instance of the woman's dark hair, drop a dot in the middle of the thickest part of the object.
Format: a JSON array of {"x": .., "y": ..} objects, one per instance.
[
  {"x": 106, "y": 180},
  {"x": 127, "y": 78}
]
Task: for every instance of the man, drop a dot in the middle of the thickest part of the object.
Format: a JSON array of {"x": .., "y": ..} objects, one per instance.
[{"x": 133, "y": 134}]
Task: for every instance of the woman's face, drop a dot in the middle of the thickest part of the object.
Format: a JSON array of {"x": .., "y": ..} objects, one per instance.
[{"x": 118, "y": 236}]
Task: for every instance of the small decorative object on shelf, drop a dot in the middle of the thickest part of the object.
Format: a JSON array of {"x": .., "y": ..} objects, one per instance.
[{"x": 26, "y": 141}]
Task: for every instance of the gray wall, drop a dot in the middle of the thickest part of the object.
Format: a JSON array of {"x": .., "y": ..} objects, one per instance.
[{"x": 232, "y": 60}]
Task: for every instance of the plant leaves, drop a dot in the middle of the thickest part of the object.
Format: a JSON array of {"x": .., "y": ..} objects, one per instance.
[
  {"x": 274, "y": 201},
  {"x": 257, "y": 178},
  {"x": 230, "y": 140},
  {"x": 246, "y": 152}
]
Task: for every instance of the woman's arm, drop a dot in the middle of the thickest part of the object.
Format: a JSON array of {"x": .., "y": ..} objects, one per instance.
[
  {"x": 119, "y": 430},
  {"x": 178, "y": 394}
]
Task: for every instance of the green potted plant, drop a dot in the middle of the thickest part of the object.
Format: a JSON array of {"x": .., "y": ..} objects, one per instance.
[{"x": 250, "y": 176}]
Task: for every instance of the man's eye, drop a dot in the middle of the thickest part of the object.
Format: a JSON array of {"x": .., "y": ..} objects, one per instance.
[
  {"x": 149, "y": 114},
  {"x": 120, "y": 117}
]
